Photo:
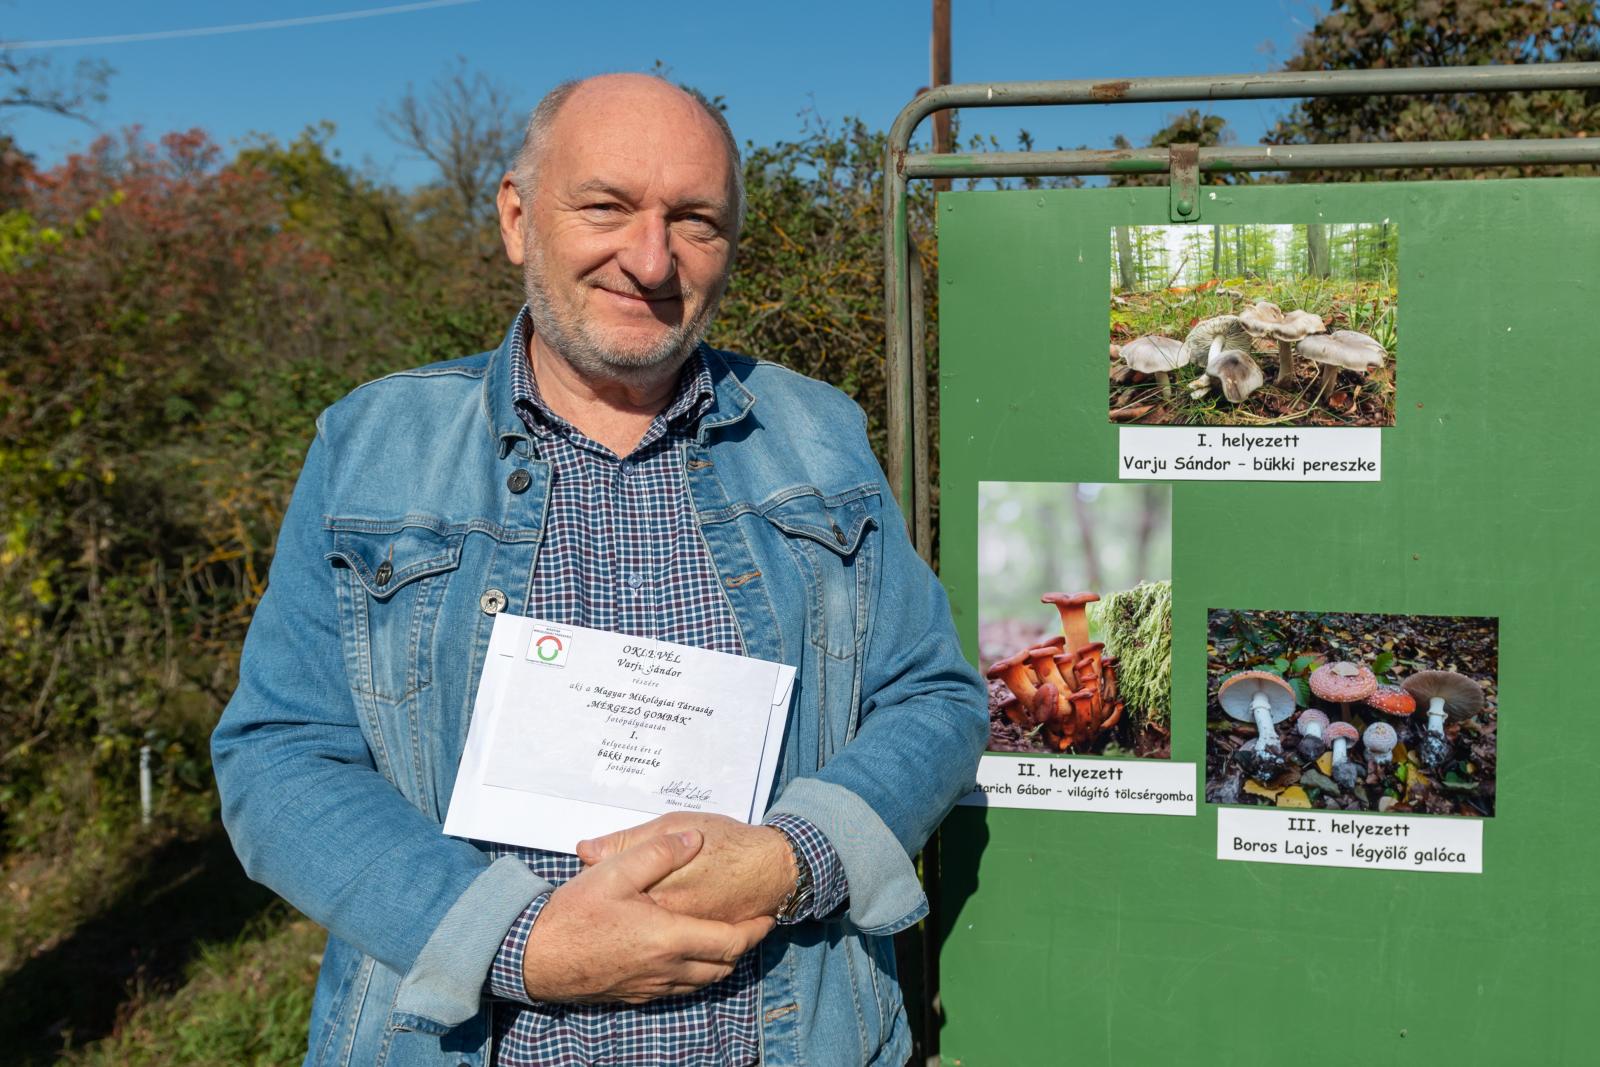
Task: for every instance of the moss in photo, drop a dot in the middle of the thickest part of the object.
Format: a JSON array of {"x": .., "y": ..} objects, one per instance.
[{"x": 1137, "y": 627}]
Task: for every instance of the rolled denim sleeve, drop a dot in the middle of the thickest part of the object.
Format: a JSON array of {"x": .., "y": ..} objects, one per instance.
[
  {"x": 924, "y": 722},
  {"x": 311, "y": 817}
]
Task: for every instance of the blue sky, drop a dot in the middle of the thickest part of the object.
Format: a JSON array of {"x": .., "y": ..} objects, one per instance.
[{"x": 772, "y": 62}]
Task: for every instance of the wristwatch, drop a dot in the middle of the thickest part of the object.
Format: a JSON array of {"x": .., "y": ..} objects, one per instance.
[{"x": 798, "y": 903}]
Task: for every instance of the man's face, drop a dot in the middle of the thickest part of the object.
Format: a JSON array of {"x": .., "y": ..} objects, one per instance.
[{"x": 628, "y": 242}]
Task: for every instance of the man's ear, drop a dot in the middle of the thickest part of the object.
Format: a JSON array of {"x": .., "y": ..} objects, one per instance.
[{"x": 508, "y": 202}]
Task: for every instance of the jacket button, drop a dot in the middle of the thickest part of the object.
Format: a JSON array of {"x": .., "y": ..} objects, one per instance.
[
  {"x": 838, "y": 534},
  {"x": 519, "y": 480},
  {"x": 384, "y": 573},
  {"x": 493, "y": 601}
]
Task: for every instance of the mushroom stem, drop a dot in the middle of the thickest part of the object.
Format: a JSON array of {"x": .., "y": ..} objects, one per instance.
[
  {"x": 1436, "y": 716},
  {"x": 1324, "y": 383},
  {"x": 1165, "y": 383},
  {"x": 1340, "y": 747},
  {"x": 1285, "y": 362},
  {"x": 1261, "y": 708}
]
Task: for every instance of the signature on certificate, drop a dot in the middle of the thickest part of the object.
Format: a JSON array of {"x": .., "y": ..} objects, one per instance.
[{"x": 684, "y": 789}]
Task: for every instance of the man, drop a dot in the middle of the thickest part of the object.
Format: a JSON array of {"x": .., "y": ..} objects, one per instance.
[{"x": 601, "y": 468}]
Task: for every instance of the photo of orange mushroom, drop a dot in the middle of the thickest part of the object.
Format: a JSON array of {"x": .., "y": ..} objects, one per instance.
[
  {"x": 1075, "y": 617},
  {"x": 1353, "y": 711}
]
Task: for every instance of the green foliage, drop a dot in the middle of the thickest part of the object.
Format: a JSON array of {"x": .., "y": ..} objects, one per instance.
[
  {"x": 1137, "y": 624},
  {"x": 1377, "y": 34},
  {"x": 244, "y": 1002}
]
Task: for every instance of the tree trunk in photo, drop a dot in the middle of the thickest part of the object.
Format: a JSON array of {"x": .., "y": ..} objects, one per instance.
[
  {"x": 1216, "y": 251},
  {"x": 1317, "y": 250},
  {"x": 1125, "y": 269},
  {"x": 1238, "y": 250},
  {"x": 1091, "y": 553}
]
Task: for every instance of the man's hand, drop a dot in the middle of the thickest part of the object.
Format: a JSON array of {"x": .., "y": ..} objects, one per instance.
[
  {"x": 742, "y": 871},
  {"x": 600, "y": 938}
]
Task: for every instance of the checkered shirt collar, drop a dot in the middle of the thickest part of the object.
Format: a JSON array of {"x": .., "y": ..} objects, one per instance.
[{"x": 695, "y": 394}]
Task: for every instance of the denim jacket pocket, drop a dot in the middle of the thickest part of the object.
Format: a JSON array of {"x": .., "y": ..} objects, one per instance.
[
  {"x": 392, "y": 582},
  {"x": 826, "y": 536}
]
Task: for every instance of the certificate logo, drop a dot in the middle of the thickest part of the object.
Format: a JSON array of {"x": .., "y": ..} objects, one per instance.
[{"x": 549, "y": 647}]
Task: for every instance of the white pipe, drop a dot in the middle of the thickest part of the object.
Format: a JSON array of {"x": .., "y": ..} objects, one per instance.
[{"x": 144, "y": 784}]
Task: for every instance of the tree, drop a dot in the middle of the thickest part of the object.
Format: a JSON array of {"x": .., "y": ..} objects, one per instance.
[
  {"x": 1189, "y": 127},
  {"x": 465, "y": 126},
  {"x": 1375, "y": 34},
  {"x": 27, "y": 81}
]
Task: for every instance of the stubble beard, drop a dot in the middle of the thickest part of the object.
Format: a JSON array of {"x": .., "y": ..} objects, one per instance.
[{"x": 565, "y": 333}]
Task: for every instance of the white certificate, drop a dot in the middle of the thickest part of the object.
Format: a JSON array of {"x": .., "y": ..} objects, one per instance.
[{"x": 579, "y": 732}]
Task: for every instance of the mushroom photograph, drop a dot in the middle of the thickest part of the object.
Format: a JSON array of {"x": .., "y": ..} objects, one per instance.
[
  {"x": 1254, "y": 324},
  {"x": 1352, "y": 712},
  {"x": 1075, "y": 617}
]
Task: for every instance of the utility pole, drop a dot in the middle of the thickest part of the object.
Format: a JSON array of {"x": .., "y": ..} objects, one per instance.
[{"x": 939, "y": 74}]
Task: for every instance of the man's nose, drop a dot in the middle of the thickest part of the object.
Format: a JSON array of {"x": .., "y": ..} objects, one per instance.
[{"x": 646, "y": 254}]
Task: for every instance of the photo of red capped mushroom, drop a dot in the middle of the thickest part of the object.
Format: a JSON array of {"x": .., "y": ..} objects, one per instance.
[
  {"x": 1075, "y": 617},
  {"x": 1281, "y": 324},
  {"x": 1393, "y": 713}
]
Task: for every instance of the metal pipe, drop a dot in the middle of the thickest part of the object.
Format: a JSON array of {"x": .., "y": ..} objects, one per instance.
[
  {"x": 1277, "y": 85},
  {"x": 1236, "y": 158}
]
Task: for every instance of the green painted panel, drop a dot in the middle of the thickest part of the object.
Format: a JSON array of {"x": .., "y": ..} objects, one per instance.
[{"x": 1074, "y": 938}]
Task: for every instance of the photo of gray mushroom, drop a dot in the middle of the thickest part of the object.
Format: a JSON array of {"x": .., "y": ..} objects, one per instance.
[
  {"x": 1352, "y": 712},
  {"x": 1254, "y": 324}
]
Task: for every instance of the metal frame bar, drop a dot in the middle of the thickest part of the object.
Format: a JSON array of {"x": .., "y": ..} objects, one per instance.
[{"x": 906, "y": 376}]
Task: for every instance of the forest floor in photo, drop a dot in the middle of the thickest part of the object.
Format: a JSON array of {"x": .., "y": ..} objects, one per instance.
[{"x": 1354, "y": 400}]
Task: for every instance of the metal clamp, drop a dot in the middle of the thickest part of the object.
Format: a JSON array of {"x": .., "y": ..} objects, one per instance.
[{"x": 1185, "y": 182}]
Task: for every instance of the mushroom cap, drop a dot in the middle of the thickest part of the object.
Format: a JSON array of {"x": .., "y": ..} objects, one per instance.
[
  {"x": 1380, "y": 737},
  {"x": 1392, "y": 700},
  {"x": 1154, "y": 354},
  {"x": 1343, "y": 682},
  {"x": 1336, "y": 730},
  {"x": 1311, "y": 717},
  {"x": 1240, "y": 375},
  {"x": 1069, "y": 600},
  {"x": 1344, "y": 348},
  {"x": 1463, "y": 697},
  {"x": 1239, "y": 691},
  {"x": 1235, "y": 338},
  {"x": 1267, "y": 319},
  {"x": 1001, "y": 666}
]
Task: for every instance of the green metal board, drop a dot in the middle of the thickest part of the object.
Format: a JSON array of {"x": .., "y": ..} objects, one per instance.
[{"x": 1122, "y": 939}]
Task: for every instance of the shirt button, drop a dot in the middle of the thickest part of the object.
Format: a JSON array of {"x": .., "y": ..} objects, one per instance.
[
  {"x": 519, "y": 480},
  {"x": 492, "y": 601}
]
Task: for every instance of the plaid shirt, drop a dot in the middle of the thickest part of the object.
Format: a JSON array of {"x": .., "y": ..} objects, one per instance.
[{"x": 622, "y": 552}]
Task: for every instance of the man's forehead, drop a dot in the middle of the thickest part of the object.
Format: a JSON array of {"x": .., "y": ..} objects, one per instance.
[{"x": 615, "y": 131}]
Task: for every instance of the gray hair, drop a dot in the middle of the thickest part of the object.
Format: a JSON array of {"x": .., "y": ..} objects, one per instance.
[{"x": 524, "y": 168}]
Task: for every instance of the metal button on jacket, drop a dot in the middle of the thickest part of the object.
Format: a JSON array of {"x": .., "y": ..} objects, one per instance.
[
  {"x": 492, "y": 601},
  {"x": 838, "y": 534},
  {"x": 519, "y": 480},
  {"x": 384, "y": 573}
]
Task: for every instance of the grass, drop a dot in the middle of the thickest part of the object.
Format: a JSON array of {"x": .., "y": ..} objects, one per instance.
[{"x": 247, "y": 1001}]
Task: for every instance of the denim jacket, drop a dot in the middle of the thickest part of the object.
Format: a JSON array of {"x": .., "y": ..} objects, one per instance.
[{"x": 406, "y": 533}]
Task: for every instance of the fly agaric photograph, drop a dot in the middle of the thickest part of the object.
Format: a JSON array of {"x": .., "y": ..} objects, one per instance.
[
  {"x": 1075, "y": 617},
  {"x": 1254, "y": 324},
  {"x": 1352, "y": 712}
]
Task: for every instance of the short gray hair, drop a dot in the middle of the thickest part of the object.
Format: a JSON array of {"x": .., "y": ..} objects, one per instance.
[{"x": 524, "y": 168}]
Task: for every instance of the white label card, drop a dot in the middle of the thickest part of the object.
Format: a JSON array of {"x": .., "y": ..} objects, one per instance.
[
  {"x": 1250, "y": 454},
  {"x": 1056, "y": 783},
  {"x": 1350, "y": 839}
]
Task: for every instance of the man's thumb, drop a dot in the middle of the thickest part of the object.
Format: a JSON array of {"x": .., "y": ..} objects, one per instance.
[{"x": 645, "y": 864}]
